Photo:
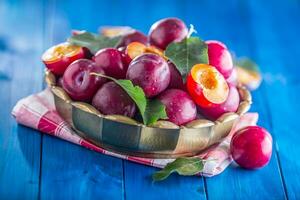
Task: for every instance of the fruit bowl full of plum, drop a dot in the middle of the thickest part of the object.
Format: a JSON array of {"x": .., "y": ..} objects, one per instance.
[{"x": 163, "y": 95}]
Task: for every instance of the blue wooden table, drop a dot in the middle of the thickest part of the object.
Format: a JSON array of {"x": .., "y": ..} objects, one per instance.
[{"x": 36, "y": 166}]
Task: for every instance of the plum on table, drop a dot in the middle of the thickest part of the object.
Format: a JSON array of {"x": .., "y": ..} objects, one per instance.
[{"x": 251, "y": 147}]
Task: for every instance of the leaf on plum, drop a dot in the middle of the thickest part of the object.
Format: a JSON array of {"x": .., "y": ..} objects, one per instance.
[
  {"x": 187, "y": 53},
  {"x": 155, "y": 110},
  {"x": 151, "y": 110},
  {"x": 94, "y": 42},
  {"x": 135, "y": 92},
  {"x": 186, "y": 166}
]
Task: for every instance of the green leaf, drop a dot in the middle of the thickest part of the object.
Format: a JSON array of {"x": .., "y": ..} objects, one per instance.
[
  {"x": 187, "y": 53},
  {"x": 247, "y": 64},
  {"x": 135, "y": 92},
  {"x": 155, "y": 110},
  {"x": 186, "y": 166},
  {"x": 93, "y": 42},
  {"x": 151, "y": 110}
]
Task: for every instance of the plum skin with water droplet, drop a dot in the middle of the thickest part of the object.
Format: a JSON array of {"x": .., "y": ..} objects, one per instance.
[
  {"x": 166, "y": 31},
  {"x": 79, "y": 83},
  {"x": 111, "y": 99},
  {"x": 180, "y": 107},
  {"x": 151, "y": 72}
]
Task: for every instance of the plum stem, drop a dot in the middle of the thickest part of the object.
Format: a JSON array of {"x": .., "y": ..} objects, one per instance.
[{"x": 191, "y": 31}]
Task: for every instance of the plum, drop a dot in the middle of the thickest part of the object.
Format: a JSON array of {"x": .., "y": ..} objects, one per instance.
[
  {"x": 133, "y": 36},
  {"x": 136, "y": 49},
  {"x": 60, "y": 56},
  {"x": 232, "y": 79},
  {"x": 175, "y": 77},
  {"x": 111, "y": 61},
  {"x": 251, "y": 147},
  {"x": 125, "y": 57},
  {"x": 112, "y": 99},
  {"x": 180, "y": 107},
  {"x": 207, "y": 86},
  {"x": 59, "y": 81},
  {"x": 230, "y": 105},
  {"x": 79, "y": 83},
  {"x": 151, "y": 72},
  {"x": 166, "y": 31},
  {"x": 220, "y": 57}
]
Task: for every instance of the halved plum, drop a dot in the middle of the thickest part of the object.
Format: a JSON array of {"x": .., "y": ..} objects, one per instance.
[
  {"x": 220, "y": 57},
  {"x": 207, "y": 86},
  {"x": 135, "y": 49},
  {"x": 230, "y": 105},
  {"x": 60, "y": 56},
  {"x": 78, "y": 81}
]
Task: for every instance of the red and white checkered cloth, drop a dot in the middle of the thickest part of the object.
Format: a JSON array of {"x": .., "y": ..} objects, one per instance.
[{"x": 38, "y": 111}]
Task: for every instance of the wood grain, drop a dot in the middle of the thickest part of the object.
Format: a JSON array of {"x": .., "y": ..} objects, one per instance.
[
  {"x": 35, "y": 166},
  {"x": 277, "y": 47},
  {"x": 20, "y": 75}
]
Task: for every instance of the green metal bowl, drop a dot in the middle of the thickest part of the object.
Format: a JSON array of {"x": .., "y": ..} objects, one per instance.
[{"x": 163, "y": 139}]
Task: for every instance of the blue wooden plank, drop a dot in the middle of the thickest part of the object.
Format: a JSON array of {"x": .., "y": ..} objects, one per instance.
[
  {"x": 230, "y": 23},
  {"x": 277, "y": 47},
  {"x": 138, "y": 183},
  {"x": 20, "y": 75},
  {"x": 70, "y": 171}
]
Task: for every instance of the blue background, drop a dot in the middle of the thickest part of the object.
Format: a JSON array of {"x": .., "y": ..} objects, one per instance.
[{"x": 35, "y": 166}]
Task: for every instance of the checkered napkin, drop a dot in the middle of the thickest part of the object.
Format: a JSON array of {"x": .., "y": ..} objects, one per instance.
[{"x": 38, "y": 111}]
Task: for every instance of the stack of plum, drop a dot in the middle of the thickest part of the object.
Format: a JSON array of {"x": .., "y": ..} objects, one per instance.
[{"x": 207, "y": 89}]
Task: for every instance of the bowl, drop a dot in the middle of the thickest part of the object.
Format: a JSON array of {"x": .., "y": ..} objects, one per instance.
[{"x": 124, "y": 135}]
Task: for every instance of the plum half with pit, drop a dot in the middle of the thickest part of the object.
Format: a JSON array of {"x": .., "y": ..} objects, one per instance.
[
  {"x": 151, "y": 72},
  {"x": 111, "y": 99},
  {"x": 207, "y": 86},
  {"x": 78, "y": 81},
  {"x": 230, "y": 105},
  {"x": 180, "y": 107},
  {"x": 59, "y": 57},
  {"x": 166, "y": 31},
  {"x": 111, "y": 61},
  {"x": 251, "y": 147}
]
